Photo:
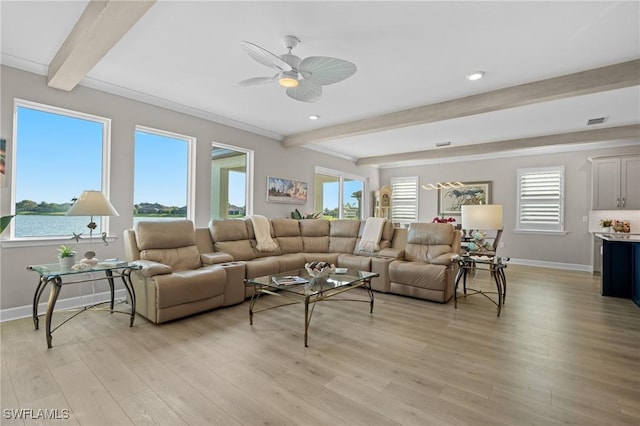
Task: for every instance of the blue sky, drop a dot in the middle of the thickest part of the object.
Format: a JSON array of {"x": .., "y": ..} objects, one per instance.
[{"x": 59, "y": 157}]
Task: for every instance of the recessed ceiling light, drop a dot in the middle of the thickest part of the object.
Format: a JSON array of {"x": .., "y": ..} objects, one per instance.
[
  {"x": 477, "y": 75},
  {"x": 314, "y": 117}
]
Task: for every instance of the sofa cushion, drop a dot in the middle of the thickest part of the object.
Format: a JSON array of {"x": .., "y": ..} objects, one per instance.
[
  {"x": 315, "y": 235},
  {"x": 228, "y": 230},
  {"x": 231, "y": 236},
  {"x": 189, "y": 286},
  {"x": 352, "y": 261},
  {"x": 343, "y": 235},
  {"x": 287, "y": 234},
  {"x": 179, "y": 259},
  {"x": 429, "y": 242},
  {"x": 164, "y": 234},
  {"x": 239, "y": 250},
  {"x": 418, "y": 274}
]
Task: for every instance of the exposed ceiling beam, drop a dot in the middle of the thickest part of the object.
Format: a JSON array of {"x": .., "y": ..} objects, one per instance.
[
  {"x": 625, "y": 74},
  {"x": 586, "y": 136},
  {"x": 101, "y": 26}
]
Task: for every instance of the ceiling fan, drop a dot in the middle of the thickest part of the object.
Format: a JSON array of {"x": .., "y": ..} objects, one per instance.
[{"x": 302, "y": 78}]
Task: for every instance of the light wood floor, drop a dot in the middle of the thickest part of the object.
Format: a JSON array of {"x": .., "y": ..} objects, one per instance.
[{"x": 559, "y": 354}]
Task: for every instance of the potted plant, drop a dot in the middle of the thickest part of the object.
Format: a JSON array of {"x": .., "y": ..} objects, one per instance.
[
  {"x": 606, "y": 224},
  {"x": 67, "y": 257}
]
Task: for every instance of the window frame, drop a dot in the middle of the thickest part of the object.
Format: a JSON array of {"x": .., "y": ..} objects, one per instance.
[
  {"x": 104, "y": 179},
  {"x": 341, "y": 177},
  {"x": 249, "y": 173},
  {"x": 541, "y": 228},
  {"x": 191, "y": 164},
  {"x": 416, "y": 204}
]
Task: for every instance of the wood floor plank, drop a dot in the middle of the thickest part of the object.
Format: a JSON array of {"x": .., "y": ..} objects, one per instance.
[{"x": 560, "y": 353}]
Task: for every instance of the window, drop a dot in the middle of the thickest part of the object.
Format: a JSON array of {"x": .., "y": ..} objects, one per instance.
[
  {"x": 58, "y": 154},
  {"x": 404, "y": 199},
  {"x": 162, "y": 160},
  {"x": 541, "y": 199},
  {"x": 231, "y": 182},
  {"x": 338, "y": 195}
]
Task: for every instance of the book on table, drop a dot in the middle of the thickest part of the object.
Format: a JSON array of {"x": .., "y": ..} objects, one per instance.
[{"x": 289, "y": 280}]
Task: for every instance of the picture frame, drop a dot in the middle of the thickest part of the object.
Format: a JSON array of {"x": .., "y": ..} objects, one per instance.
[
  {"x": 451, "y": 200},
  {"x": 290, "y": 191}
]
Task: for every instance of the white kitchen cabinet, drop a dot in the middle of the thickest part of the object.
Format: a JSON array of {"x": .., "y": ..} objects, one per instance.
[{"x": 616, "y": 183}]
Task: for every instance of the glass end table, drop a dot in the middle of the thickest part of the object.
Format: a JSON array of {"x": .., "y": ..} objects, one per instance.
[{"x": 54, "y": 274}]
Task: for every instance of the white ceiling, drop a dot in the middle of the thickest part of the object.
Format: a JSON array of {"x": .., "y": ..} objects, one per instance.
[{"x": 187, "y": 56}]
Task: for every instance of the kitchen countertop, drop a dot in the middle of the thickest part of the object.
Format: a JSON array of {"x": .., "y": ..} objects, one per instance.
[{"x": 620, "y": 237}]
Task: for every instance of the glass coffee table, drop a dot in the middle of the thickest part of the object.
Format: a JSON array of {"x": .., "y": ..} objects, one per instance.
[{"x": 299, "y": 287}]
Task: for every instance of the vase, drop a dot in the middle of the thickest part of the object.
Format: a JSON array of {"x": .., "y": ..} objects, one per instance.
[{"x": 67, "y": 262}]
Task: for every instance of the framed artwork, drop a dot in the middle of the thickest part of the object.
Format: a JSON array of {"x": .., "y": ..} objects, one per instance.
[
  {"x": 450, "y": 201},
  {"x": 281, "y": 190}
]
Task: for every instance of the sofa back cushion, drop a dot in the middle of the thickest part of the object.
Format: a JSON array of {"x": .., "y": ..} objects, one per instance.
[
  {"x": 287, "y": 235},
  {"x": 315, "y": 235},
  {"x": 343, "y": 235},
  {"x": 170, "y": 242},
  {"x": 231, "y": 236},
  {"x": 428, "y": 241}
]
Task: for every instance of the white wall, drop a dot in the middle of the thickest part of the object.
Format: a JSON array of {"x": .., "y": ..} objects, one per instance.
[
  {"x": 573, "y": 250},
  {"x": 17, "y": 284}
]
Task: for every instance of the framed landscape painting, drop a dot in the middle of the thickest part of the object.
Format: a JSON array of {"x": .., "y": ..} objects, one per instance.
[
  {"x": 281, "y": 190},
  {"x": 450, "y": 201}
]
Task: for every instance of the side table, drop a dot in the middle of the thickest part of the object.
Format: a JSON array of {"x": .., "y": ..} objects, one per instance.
[
  {"x": 496, "y": 266},
  {"x": 53, "y": 274}
]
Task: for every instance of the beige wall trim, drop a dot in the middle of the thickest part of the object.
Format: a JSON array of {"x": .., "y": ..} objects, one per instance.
[
  {"x": 625, "y": 74},
  {"x": 101, "y": 26},
  {"x": 587, "y": 136}
]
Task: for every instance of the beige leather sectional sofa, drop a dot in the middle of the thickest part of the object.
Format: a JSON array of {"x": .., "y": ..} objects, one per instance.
[{"x": 187, "y": 271}]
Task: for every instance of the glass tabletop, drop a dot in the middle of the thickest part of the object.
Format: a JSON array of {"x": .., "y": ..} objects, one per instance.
[
  {"x": 300, "y": 282},
  {"x": 48, "y": 269}
]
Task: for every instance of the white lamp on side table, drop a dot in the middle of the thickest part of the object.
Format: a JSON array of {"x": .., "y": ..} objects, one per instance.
[
  {"x": 92, "y": 203},
  {"x": 483, "y": 217}
]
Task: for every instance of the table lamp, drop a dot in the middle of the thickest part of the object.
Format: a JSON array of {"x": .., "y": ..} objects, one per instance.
[
  {"x": 91, "y": 203},
  {"x": 482, "y": 217}
]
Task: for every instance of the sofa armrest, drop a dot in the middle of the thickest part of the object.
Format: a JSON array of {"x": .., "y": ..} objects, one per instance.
[
  {"x": 149, "y": 268},
  {"x": 396, "y": 253},
  {"x": 444, "y": 259},
  {"x": 215, "y": 258}
]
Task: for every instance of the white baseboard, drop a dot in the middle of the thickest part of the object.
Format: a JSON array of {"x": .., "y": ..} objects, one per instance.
[
  {"x": 62, "y": 304},
  {"x": 552, "y": 265}
]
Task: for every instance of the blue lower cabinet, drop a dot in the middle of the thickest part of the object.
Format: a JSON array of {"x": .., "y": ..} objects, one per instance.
[
  {"x": 635, "y": 273},
  {"x": 620, "y": 269}
]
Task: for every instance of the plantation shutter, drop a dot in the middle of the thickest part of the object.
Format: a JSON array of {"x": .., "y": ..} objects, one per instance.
[
  {"x": 404, "y": 199},
  {"x": 541, "y": 199}
]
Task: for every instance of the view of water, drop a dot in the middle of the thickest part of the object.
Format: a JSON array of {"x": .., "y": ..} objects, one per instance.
[{"x": 50, "y": 226}]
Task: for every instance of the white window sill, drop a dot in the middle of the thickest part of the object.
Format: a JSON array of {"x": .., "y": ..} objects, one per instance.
[
  {"x": 539, "y": 232},
  {"x": 54, "y": 241}
]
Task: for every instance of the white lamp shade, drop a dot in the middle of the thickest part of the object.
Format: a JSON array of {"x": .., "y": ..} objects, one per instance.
[
  {"x": 92, "y": 203},
  {"x": 481, "y": 217}
]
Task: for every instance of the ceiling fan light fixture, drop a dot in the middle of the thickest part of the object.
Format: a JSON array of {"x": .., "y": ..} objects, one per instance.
[
  {"x": 476, "y": 75},
  {"x": 289, "y": 79}
]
